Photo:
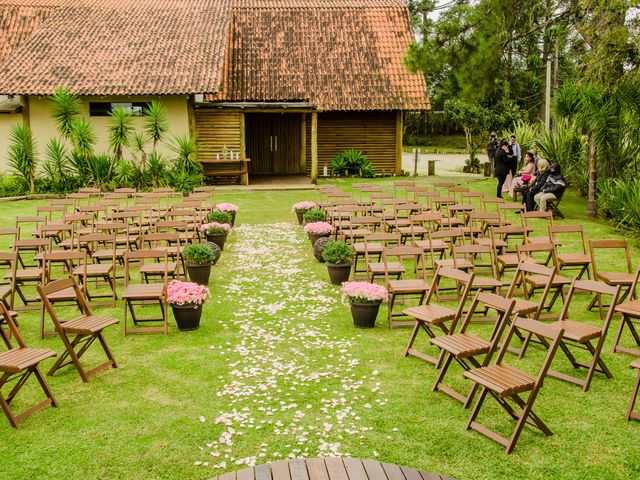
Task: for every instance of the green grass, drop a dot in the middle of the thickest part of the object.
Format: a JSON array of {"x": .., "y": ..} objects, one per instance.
[
  {"x": 275, "y": 334},
  {"x": 439, "y": 144}
]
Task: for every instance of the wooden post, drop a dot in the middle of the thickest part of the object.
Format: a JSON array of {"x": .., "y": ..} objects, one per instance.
[
  {"x": 415, "y": 161},
  {"x": 314, "y": 147},
  {"x": 243, "y": 143},
  {"x": 398, "y": 142},
  {"x": 191, "y": 116},
  {"x": 26, "y": 116},
  {"x": 303, "y": 143}
]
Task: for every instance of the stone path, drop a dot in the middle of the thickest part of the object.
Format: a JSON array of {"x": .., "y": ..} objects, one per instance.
[{"x": 291, "y": 380}]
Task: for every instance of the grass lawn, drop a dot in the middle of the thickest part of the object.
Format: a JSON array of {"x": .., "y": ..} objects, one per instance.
[
  {"x": 439, "y": 143},
  {"x": 277, "y": 370}
]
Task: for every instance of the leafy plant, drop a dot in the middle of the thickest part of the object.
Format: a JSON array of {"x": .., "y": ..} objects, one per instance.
[
  {"x": 138, "y": 146},
  {"x": 156, "y": 122},
  {"x": 337, "y": 252},
  {"x": 527, "y": 135},
  {"x": 314, "y": 215},
  {"x": 220, "y": 217},
  {"x": 83, "y": 139},
  {"x": 64, "y": 107},
  {"x": 186, "y": 149},
  {"x": 184, "y": 181},
  {"x": 99, "y": 170},
  {"x": 124, "y": 173},
  {"x": 156, "y": 170},
  {"x": 619, "y": 200},
  {"x": 56, "y": 167},
  {"x": 120, "y": 130},
  {"x": 198, "y": 254},
  {"x": 352, "y": 162},
  {"x": 22, "y": 154},
  {"x": 12, "y": 186}
]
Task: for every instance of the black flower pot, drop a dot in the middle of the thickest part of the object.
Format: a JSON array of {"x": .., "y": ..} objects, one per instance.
[
  {"x": 300, "y": 216},
  {"x": 364, "y": 314},
  {"x": 187, "y": 317},
  {"x": 218, "y": 238},
  {"x": 199, "y": 273},
  {"x": 338, "y": 273},
  {"x": 313, "y": 237},
  {"x": 233, "y": 218}
]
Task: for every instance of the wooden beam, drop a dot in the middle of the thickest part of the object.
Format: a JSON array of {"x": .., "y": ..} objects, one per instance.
[
  {"x": 303, "y": 143},
  {"x": 314, "y": 147},
  {"x": 191, "y": 116},
  {"x": 398, "y": 141},
  {"x": 243, "y": 141}
]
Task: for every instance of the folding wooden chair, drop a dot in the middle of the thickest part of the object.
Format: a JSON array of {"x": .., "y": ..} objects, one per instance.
[
  {"x": 631, "y": 415},
  {"x": 26, "y": 276},
  {"x": 630, "y": 311},
  {"x": 101, "y": 268},
  {"x": 532, "y": 221},
  {"x": 6, "y": 257},
  {"x": 170, "y": 242},
  {"x": 464, "y": 347},
  {"x": 623, "y": 278},
  {"x": 571, "y": 252},
  {"x": 18, "y": 364},
  {"x": 542, "y": 254},
  {"x": 480, "y": 260},
  {"x": 77, "y": 334},
  {"x": 137, "y": 294},
  {"x": 579, "y": 334},
  {"x": 404, "y": 287},
  {"x": 429, "y": 315},
  {"x": 370, "y": 249},
  {"x": 507, "y": 384},
  {"x": 375, "y": 268}
]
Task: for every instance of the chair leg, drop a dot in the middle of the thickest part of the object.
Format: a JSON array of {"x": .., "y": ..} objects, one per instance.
[{"x": 632, "y": 401}]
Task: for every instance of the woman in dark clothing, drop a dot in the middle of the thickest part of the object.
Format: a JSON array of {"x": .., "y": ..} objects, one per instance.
[
  {"x": 502, "y": 165},
  {"x": 536, "y": 185}
]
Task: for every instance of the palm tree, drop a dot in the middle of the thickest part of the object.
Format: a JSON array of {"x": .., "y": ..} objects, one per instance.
[
  {"x": 186, "y": 148},
  {"x": 56, "y": 166},
  {"x": 22, "y": 153},
  {"x": 120, "y": 130},
  {"x": 83, "y": 138},
  {"x": 138, "y": 145},
  {"x": 64, "y": 108},
  {"x": 156, "y": 123}
]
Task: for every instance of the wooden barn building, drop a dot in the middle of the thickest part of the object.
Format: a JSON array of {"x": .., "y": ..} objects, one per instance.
[{"x": 286, "y": 83}]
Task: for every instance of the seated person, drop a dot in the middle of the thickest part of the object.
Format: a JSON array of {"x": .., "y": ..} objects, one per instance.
[
  {"x": 535, "y": 185},
  {"x": 524, "y": 176},
  {"x": 553, "y": 188}
]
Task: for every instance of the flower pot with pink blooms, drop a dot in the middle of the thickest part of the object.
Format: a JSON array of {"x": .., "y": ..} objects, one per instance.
[
  {"x": 316, "y": 230},
  {"x": 338, "y": 255},
  {"x": 301, "y": 208},
  {"x": 215, "y": 231},
  {"x": 364, "y": 299},
  {"x": 186, "y": 300},
  {"x": 231, "y": 209}
]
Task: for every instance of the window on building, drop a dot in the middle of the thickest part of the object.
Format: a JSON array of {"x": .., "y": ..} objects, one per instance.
[{"x": 103, "y": 109}]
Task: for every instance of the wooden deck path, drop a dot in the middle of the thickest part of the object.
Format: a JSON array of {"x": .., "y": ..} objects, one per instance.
[{"x": 330, "y": 468}]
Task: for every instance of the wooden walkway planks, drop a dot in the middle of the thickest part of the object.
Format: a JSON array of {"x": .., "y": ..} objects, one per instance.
[{"x": 329, "y": 468}]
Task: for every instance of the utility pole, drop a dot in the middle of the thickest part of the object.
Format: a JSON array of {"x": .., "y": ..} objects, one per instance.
[{"x": 547, "y": 97}]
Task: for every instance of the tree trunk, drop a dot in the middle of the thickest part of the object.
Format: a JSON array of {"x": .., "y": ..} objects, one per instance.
[
  {"x": 468, "y": 136},
  {"x": 593, "y": 174}
]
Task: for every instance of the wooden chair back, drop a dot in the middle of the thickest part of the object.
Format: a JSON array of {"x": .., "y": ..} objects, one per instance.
[
  {"x": 404, "y": 254},
  {"x": 616, "y": 247},
  {"x": 142, "y": 255}
]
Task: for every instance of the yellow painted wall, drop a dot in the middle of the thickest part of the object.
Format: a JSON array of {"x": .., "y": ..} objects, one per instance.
[
  {"x": 7, "y": 120},
  {"x": 44, "y": 127}
]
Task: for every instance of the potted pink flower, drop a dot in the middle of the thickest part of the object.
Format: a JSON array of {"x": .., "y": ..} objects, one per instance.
[
  {"x": 316, "y": 230},
  {"x": 216, "y": 232},
  {"x": 186, "y": 300},
  {"x": 364, "y": 298},
  {"x": 301, "y": 208},
  {"x": 230, "y": 208}
]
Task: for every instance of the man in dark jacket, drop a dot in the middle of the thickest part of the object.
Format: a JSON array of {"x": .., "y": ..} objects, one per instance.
[
  {"x": 552, "y": 189},
  {"x": 502, "y": 165},
  {"x": 535, "y": 186}
]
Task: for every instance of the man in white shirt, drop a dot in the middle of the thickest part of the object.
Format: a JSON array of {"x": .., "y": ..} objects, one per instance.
[{"x": 515, "y": 147}]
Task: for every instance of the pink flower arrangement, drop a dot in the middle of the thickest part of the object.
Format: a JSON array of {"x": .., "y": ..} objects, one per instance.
[
  {"x": 364, "y": 292},
  {"x": 318, "y": 228},
  {"x": 186, "y": 293},
  {"x": 304, "y": 206},
  {"x": 227, "y": 207},
  {"x": 215, "y": 228}
]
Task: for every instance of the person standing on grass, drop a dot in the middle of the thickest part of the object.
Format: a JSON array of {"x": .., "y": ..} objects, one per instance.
[
  {"x": 492, "y": 147},
  {"x": 535, "y": 185},
  {"x": 553, "y": 188},
  {"x": 502, "y": 165},
  {"x": 515, "y": 155}
]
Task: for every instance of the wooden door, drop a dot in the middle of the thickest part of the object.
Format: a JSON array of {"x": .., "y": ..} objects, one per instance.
[{"x": 273, "y": 142}]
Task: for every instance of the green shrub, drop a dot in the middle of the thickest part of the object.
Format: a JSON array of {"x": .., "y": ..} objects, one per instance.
[
  {"x": 352, "y": 162},
  {"x": 619, "y": 200},
  {"x": 22, "y": 156},
  {"x": 314, "y": 215},
  {"x": 337, "y": 252},
  {"x": 12, "y": 186},
  {"x": 220, "y": 217},
  {"x": 198, "y": 254}
]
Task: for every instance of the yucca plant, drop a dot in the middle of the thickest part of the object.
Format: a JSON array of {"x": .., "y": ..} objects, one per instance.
[
  {"x": 64, "y": 107},
  {"x": 56, "y": 168},
  {"x": 120, "y": 130},
  {"x": 139, "y": 142},
  {"x": 619, "y": 200},
  {"x": 22, "y": 154},
  {"x": 526, "y": 133},
  {"x": 83, "y": 137},
  {"x": 186, "y": 148},
  {"x": 184, "y": 181},
  {"x": 99, "y": 170},
  {"x": 124, "y": 173},
  {"x": 156, "y": 171},
  {"x": 156, "y": 122}
]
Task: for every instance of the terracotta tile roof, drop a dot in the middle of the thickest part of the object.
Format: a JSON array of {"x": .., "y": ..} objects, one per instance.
[
  {"x": 122, "y": 47},
  {"x": 338, "y": 54},
  {"x": 17, "y": 23},
  {"x": 340, "y": 58}
]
